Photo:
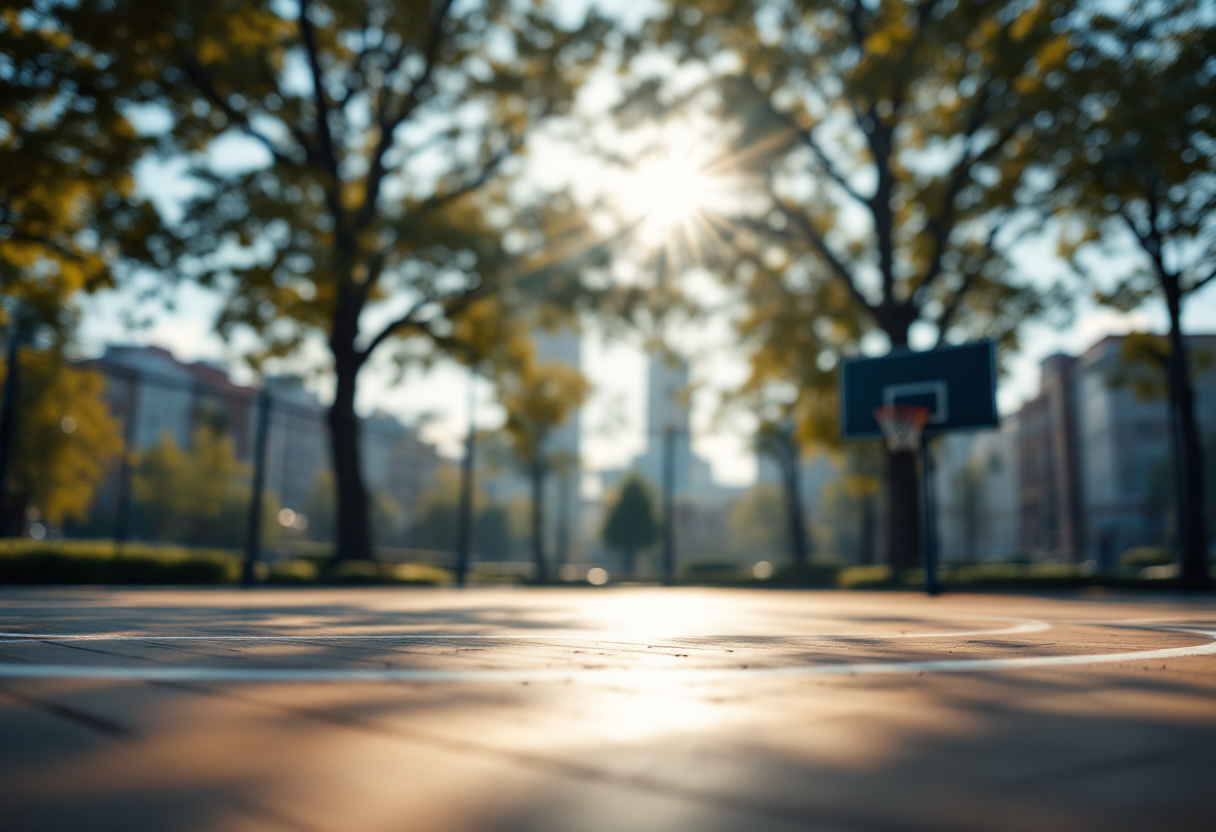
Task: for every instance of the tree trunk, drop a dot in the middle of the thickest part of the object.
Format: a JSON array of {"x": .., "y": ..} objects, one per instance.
[
  {"x": 793, "y": 506},
  {"x": 538, "y": 522},
  {"x": 903, "y": 544},
  {"x": 353, "y": 536},
  {"x": 631, "y": 561},
  {"x": 1189, "y": 501},
  {"x": 903, "y": 514}
]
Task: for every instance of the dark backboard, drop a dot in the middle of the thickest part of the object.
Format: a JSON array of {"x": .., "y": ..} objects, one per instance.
[{"x": 957, "y": 384}]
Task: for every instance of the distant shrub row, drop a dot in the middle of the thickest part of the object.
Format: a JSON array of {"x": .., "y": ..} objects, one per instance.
[
  {"x": 1146, "y": 569},
  {"x": 92, "y": 562}
]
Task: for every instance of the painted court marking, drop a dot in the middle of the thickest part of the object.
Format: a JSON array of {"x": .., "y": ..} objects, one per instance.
[
  {"x": 210, "y": 674},
  {"x": 1023, "y": 625}
]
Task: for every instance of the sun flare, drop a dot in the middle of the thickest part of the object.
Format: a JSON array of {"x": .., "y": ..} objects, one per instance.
[{"x": 665, "y": 192}]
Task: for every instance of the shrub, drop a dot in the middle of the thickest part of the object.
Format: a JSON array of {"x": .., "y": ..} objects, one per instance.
[
  {"x": 1147, "y": 556},
  {"x": 813, "y": 574},
  {"x": 91, "y": 562},
  {"x": 857, "y": 577},
  {"x": 374, "y": 572}
]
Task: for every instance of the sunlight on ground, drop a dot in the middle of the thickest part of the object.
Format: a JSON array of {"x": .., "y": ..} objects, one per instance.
[{"x": 659, "y": 615}]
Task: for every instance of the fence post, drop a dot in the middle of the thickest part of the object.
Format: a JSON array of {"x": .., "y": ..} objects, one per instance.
[
  {"x": 124, "y": 470},
  {"x": 464, "y": 516},
  {"x": 8, "y": 426},
  {"x": 669, "y": 515},
  {"x": 253, "y": 535}
]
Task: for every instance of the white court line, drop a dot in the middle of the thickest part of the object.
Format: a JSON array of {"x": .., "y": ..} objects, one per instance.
[
  {"x": 208, "y": 674},
  {"x": 1026, "y": 625}
]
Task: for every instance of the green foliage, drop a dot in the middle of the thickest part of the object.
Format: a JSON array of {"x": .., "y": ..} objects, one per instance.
[
  {"x": 814, "y": 574},
  {"x": 538, "y": 398},
  {"x": 65, "y": 438},
  {"x": 1147, "y": 556},
  {"x": 68, "y": 207},
  {"x": 85, "y": 562},
  {"x": 1136, "y": 158},
  {"x": 385, "y": 133},
  {"x": 368, "y": 572},
  {"x": 888, "y": 142},
  {"x": 631, "y": 525},
  {"x": 201, "y": 495}
]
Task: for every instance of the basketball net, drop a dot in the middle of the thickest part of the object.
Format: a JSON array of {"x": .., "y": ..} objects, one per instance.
[{"x": 902, "y": 425}]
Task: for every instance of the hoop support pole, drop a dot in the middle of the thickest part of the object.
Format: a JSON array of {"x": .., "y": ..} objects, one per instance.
[{"x": 928, "y": 532}]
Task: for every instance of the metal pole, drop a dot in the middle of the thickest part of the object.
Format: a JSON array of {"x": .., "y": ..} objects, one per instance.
[
  {"x": 124, "y": 472},
  {"x": 563, "y": 519},
  {"x": 253, "y": 537},
  {"x": 8, "y": 426},
  {"x": 669, "y": 516},
  {"x": 928, "y": 533},
  {"x": 464, "y": 515}
]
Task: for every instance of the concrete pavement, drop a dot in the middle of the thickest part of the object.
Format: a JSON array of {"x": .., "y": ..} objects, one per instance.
[{"x": 604, "y": 709}]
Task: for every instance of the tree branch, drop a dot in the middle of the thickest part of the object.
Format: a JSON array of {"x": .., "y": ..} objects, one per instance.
[
  {"x": 437, "y": 201},
  {"x": 807, "y": 136},
  {"x": 946, "y": 319},
  {"x": 1203, "y": 281},
  {"x": 324, "y": 135},
  {"x": 820, "y": 245},
  {"x": 452, "y": 305},
  {"x": 388, "y": 124},
  {"x": 204, "y": 84}
]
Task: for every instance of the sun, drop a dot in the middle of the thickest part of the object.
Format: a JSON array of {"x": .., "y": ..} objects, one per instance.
[{"x": 665, "y": 192}]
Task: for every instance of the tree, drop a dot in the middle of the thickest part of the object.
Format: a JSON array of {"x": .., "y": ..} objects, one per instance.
[
  {"x": 631, "y": 525},
  {"x": 68, "y": 207},
  {"x": 888, "y": 141},
  {"x": 374, "y": 209},
  {"x": 199, "y": 495},
  {"x": 1137, "y": 158},
  {"x": 780, "y": 443},
  {"x": 67, "y": 438},
  {"x": 538, "y": 398}
]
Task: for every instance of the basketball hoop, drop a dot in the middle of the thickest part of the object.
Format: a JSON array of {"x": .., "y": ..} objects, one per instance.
[{"x": 902, "y": 425}]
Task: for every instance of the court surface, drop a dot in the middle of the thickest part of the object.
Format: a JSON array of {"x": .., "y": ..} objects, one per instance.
[{"x": 604, "y": 709}]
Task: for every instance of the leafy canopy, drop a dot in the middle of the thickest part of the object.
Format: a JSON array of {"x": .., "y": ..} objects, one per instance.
[
  {"x": 69, "y": 212},
  {"x": 889, "y": 146},
  {"x": 376, "y": 138},
  {"x": 1138, "y": 159}
]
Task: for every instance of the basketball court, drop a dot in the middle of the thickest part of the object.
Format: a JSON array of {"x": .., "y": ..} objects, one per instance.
[{"x": 604, "y": 709}]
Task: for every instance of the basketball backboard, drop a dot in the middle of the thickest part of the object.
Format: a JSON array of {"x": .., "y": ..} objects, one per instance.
[{"x": 956, "y": 384}]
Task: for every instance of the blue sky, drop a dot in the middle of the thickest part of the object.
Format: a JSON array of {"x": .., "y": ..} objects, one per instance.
[{"x": 613, "y": 419}]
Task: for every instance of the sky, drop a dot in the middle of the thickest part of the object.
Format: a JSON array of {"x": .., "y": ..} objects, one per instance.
[{"x": 613, "y": 419}]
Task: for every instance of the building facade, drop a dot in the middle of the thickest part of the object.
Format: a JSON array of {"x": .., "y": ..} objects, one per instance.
[
  {"x": 155, "y": 398},
  {"x": 1095, "y": 455}
]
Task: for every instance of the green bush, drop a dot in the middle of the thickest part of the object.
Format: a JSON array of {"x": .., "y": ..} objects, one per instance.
[
  {"x": 374, "y": 572},
  {"x": 712, "y": 571},
  {"x": 296, "y": 571},
  {"x": 91, "y": 562},
  {"x": 812, "y": 574},
  {"x": 1147, "y": 556},
  {"x": 860, "y": 577}
]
